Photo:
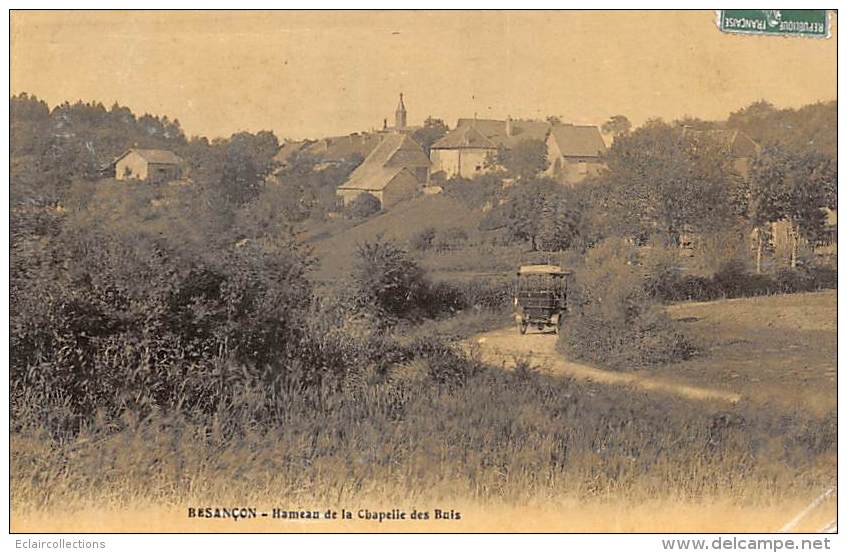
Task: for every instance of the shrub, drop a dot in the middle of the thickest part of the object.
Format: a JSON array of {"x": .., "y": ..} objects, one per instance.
[
  {"x": 805, "y": 279},
  {"x": 475, "y": 192},
  {"x": 664, "y": 273},
  {"x": 121, "y": 319},
  {"x": 446, "y": 365},
  {"x": 388, "y": 281},
  {"x": 450, "y": 238},
  {"x": 733, "y": 279},
  {"x": 442, "y": 298},
  {"x": 613, "y": 320},
  {"x": 422, "y": 240},
  {"x": 485, "y": 293},
  {"x": 362, "y": 206}
]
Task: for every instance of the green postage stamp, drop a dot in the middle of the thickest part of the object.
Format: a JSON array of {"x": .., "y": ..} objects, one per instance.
[{"x": 804, "y": 23}]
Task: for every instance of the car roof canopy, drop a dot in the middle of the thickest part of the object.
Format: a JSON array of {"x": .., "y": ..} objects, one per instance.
[{"x": 542, "y": 270}]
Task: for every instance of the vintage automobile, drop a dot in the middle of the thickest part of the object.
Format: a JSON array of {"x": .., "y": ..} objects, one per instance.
[{"x": 540, "y": 297}]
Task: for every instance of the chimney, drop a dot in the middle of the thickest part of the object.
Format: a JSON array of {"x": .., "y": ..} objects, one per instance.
[{"x": 508, "y": 125}]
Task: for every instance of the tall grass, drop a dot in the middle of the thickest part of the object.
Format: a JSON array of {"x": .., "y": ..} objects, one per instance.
[{"x": 509, "y": 437}]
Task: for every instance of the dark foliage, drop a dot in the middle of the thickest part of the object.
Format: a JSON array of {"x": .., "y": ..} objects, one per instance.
[
  {"x": 611, "y": 318},
  {"x": 733, "y": 280},
  {"x": 362, "y": 206}
]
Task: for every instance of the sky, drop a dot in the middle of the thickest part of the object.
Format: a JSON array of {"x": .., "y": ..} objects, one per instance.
[{"x": 313, "y": 74}]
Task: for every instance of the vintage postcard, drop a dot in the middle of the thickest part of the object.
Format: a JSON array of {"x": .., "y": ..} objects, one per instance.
[{"x": 423, "y": 271}]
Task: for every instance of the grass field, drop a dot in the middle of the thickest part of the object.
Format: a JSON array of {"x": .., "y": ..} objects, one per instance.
[
  {"x": 335, "y": 246},
  {"x": 779, "y": 350}
]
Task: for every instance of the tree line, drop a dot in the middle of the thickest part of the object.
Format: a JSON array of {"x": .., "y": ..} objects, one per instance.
[{"x": 663, "y": 184}]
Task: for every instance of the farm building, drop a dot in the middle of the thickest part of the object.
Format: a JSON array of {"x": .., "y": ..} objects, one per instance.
[
  {"x": 152, "y": 165},
  {"x": 462, "y": 152},
  {"x": 394, "y": 171},
  {"x": 574, "y": 152}
]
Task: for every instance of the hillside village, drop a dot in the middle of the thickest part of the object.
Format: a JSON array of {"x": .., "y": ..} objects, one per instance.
[
  {"x": 380, "y": 169},
  {"x": 573, "y": 152}
]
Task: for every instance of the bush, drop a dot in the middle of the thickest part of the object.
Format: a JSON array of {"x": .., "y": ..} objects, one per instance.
[
  {"x": 733, "y": 280},
  {"x": 450, "y": 238},
  {"x": 613, "y": 321},
  {"x": 805, "y": 279},
  {"x": 387, "y": 281},
  {"x": 476, "y": 192},
  {"x": 446, "y": 365},
  {"x": 362, "y": 206},
  {"x": 422, "y": 240},
  {"x": 485, "y": 293},
  {"x": 442, "y": 298},
  {"x": 122, "y": 309}
]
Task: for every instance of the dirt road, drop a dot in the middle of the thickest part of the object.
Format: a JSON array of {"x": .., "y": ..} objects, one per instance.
[{"x": 503, "y": 346}]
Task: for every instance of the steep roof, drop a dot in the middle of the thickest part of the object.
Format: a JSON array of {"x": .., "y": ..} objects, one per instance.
[
  {"x": 491, "y": 133},
  {"x": 153, "y": 156},
  {"x": 342, "y": 147},
  {"x": 372, "y": 177},
  {"x": 737, "y": 143},
  {"x": 467, "y": 136},
  {"x": 332, "y": 148},
  {"x": 578, "y": 140},
  {"x": 394, "y": 154},
  {"x": 398, "y": 150}
]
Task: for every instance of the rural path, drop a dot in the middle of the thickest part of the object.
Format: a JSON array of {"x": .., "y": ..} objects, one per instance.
[{"x": 502, "y": 346}]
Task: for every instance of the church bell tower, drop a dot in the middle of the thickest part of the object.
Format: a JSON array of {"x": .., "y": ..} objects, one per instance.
[{"x": 400, "y": 115}]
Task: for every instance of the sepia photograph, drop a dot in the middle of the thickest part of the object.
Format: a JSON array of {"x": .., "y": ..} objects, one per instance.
[{"x": 424, "y": 271}]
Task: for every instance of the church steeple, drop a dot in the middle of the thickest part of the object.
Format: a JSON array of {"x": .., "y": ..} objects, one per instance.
[{"x": 400, "y": 115}]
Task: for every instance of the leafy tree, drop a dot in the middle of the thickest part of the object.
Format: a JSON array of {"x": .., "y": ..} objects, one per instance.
[
  {"x": 696, "y": 123},
  {"x": 432, "y": 131},
  {"x": 659, "y": 182},
  {"x": 387, "y": 280},
  {"x": 311, "y": 187},
  {"x": 554, "y": 119},
  {"x": 248, "y": 161},
  {"x": 559, "y": 227},
  {"x": 812, "y": 127},
  {"x": 525, "y": 160},
  {"x": 794, "y": 186},
  {"x": 525, "y": 209},
  {"x": 475, "y": 192},
  {"x": 617, "y": 125}
]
